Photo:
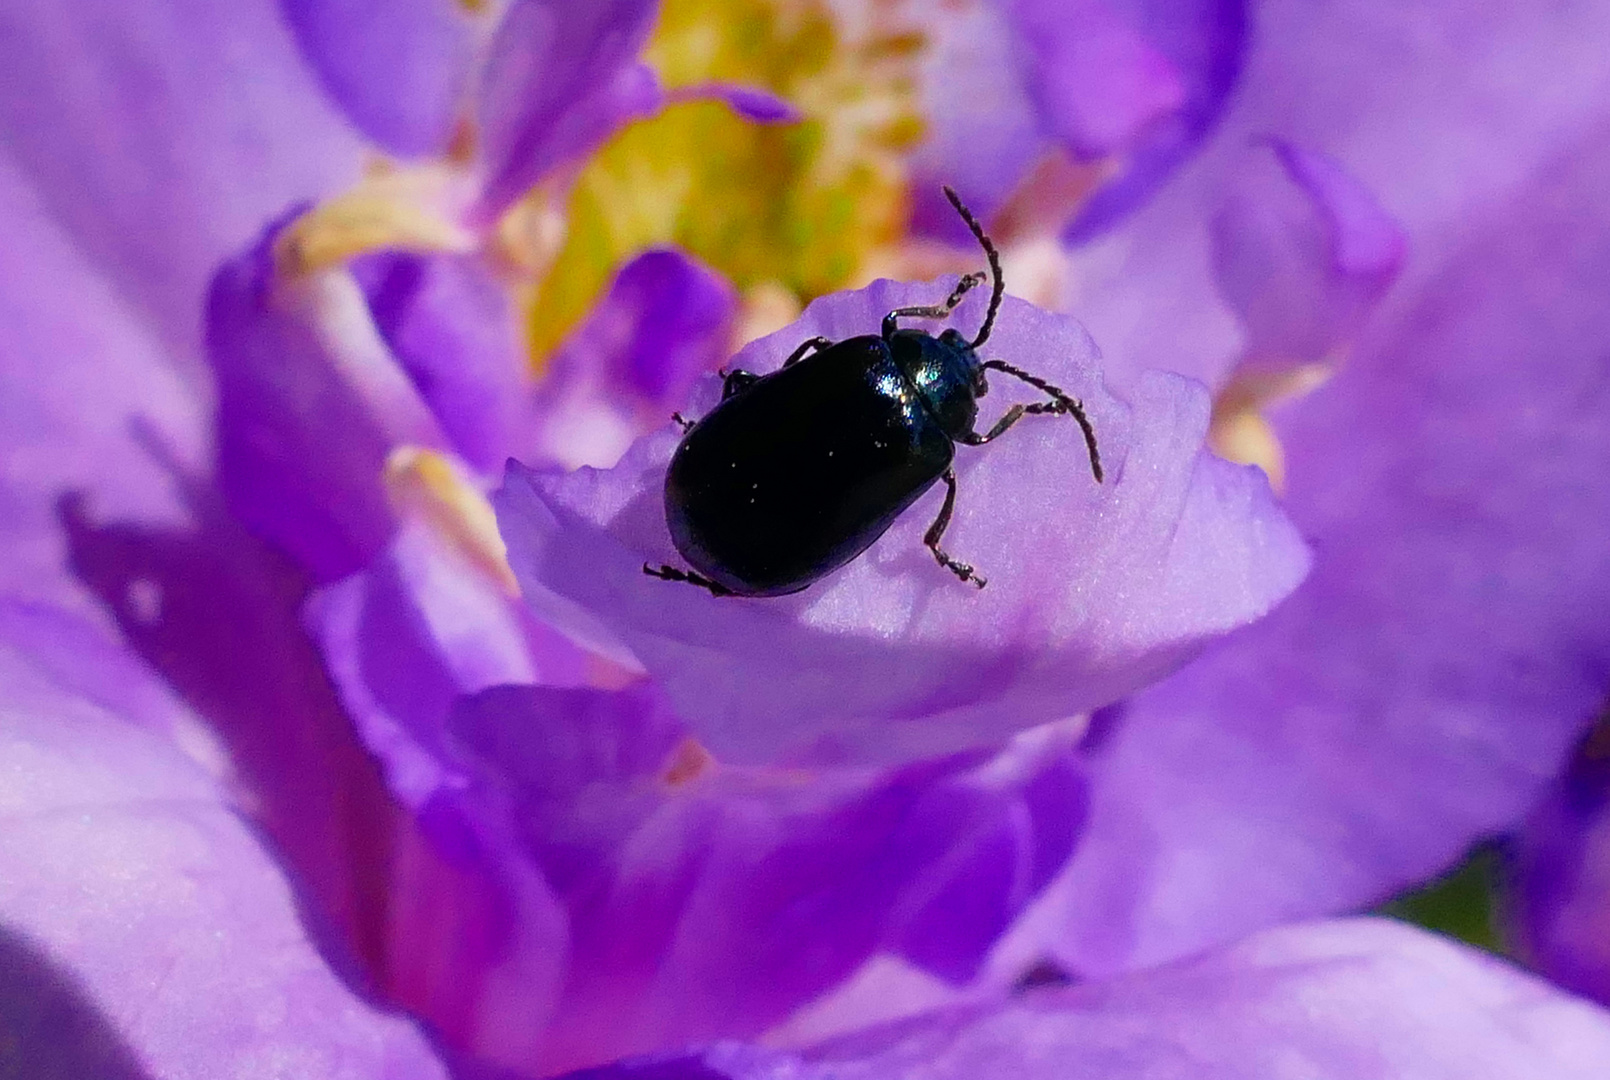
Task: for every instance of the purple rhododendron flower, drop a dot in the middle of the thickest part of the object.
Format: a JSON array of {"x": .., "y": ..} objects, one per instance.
[{"x": 380, "y": 781}]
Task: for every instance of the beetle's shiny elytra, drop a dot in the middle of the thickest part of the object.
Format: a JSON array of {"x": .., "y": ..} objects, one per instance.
[{"x": 796, "y": 473}]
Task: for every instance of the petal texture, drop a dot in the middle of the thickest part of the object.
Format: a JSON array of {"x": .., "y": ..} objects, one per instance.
[
  {"x": 144, "y": 932},
  {"x": 1359, "y": 1000},
  {"x": 398, "y": 70},
  {"x": 1175, "y": 548},
  {"x": 1450, "y": 646}
]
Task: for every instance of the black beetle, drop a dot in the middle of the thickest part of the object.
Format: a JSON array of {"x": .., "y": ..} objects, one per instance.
[{"x": 796, "y": 473}]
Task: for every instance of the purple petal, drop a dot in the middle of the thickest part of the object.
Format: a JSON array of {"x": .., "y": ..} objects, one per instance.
[
  {"x": 1097, "y": 81},
  {"x": 1450, "y": 645},
  {"x": 1362, "y": 998},
  {"x": 1094, "y": 589},
  {"x": 218, "y": 614},
  {"x": 982, "y": 131},
  {"x": 143, "y": 930},
  {"x": 1560, "y": 902},
  {"x": 750, "y": 102},
  {"x": 158, "y": 137},
  {"x": 310, "y": 403},
  {"x": 1303, "y": 253},
  {"x": 398, "y": 70},
  {"x": 449, "y": 322},
  {"x": 1143, "y": 79},
  {"x": 561, "y": 75},
  {"x": 407, "y": 636},
  {"x": 665, "y": 322},
  {"x": 716, "y": 903},
  {"x": 81, "y": 371}
]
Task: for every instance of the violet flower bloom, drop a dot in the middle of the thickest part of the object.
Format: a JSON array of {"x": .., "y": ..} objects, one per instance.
[{"x": 540, "y": 861}]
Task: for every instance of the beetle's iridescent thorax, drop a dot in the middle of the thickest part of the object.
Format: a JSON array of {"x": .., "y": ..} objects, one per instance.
[{"x": 946, "y": 373}]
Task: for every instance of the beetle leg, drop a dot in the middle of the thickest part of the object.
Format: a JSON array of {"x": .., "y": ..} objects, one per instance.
[
  {"x": 671, "y": 573},
  {"x": 1060, "y": 403},
  {"x": 736, "y": 381},
  {"x": 682, "y": 422},
  {"x": 938, "y": 311},
  {"x": 1013, "y": 415},
  {"x": 806, "y": 346},
  {"x": 937, "y": 530}
]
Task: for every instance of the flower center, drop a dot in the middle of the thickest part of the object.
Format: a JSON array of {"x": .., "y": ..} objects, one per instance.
[{"x": 792, "y": 208}]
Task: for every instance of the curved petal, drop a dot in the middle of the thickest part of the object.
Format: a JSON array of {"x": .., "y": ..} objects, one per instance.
[
  {"x": 1451, "y": 643},
  {"x": 1303, "y": 252},
  {"x": 398, "y": 70},
  {"x": 310, "y": 403},
  {"x": 450, "y": 323},
  {"x": 1163, "y": 69},
  {"x": 1560, "y": 877},
  {"x": 417, "y": 628},
  {"x": 158, "y": 137},
  {"x": 144, "y": 932},
  {"x": 1177, "y": 547},
  {"x": 560, "y": 76},
  {"x": 664, "y": 323},
  {"x": 706, "y": 901},
  {"x": 1332, "y": 1001}
]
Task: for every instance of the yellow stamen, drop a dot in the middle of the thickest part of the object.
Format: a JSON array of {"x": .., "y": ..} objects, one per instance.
[
  {"x": 387, "y": 210},
  {"x": 800, "y": 205},
  {"x": 1239, "y": 432},
  {"x": 427, "y": 485}
]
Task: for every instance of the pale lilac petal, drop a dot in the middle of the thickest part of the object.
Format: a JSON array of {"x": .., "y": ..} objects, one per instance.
[
  {"x": 1353, "y": 1000},
  {"x": 1558, "y": 903},
  {"x": 664, "y": 323},
  {"x": 716, "y": 903},
  {"x": 1094, "y": 589},
  {"x": 560, "y": 76},
  {"x": 1422, "y": 687},
  {"x": 144, "y": 932},
  {"x": 215, "y": 612},
  {"x": 82, "y": 372},
  {"x": 159, "y": 137},
  {"x": 1303, "y": 253},
  {"x": 398, "y": 70},
  {"x": 450, "y": 323}
]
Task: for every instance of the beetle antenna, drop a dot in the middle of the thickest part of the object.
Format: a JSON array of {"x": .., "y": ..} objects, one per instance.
[
  {"x": 994, "y": 265},
  {"x": 1061, "y": 402}
]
